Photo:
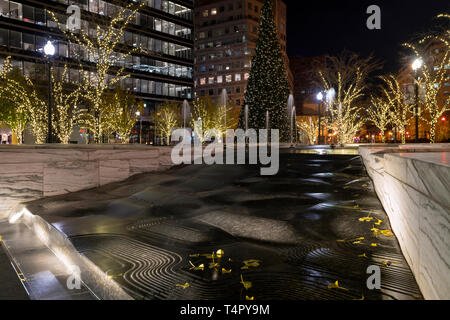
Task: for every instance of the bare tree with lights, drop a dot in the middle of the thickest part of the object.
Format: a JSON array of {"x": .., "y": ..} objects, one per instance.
[
  {"x": 65, "y": 101},
  {"x": 433, "y": 75},
  {"x": 104, "y": 47},
  {"x": 310, "y": 127},
  {"x": 122, "y": 108},
  {"x": 379, "y": 113},
  {"x": 27, "y": 106},
  {"x": 347, "y": 74},
  {"x": 394, "y": 97},
  {"x": 168, "y": 117}
]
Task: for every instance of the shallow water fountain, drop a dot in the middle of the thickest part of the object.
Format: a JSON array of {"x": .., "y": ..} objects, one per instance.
[
  {"x": 186, "y": 110},
  {"x": 290, "y": 115},
  {"x": 246, "y": 118},
  {"x": 223, "y": 104}
]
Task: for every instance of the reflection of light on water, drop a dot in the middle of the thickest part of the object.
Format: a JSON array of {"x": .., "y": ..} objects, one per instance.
[{"x": 342, "y": 151}]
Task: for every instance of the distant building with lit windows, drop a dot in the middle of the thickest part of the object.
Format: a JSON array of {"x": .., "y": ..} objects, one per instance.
[{"x": 226, "y": 32}]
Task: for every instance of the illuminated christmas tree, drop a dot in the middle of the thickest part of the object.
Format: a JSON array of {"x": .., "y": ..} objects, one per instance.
[{"x": 268, "y": 87}]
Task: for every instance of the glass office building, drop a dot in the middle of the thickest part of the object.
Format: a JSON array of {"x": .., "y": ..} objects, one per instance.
[{"x": 162, "y": 70}]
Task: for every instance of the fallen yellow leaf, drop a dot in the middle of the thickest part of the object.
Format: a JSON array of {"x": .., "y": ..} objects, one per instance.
[
  {"x": 368, "y": 219},
  {"x": 378, "y": 222},
  {"x": 184, "y": 286},
  {"x": 336, "y": 286},
  {"x": 373, "y": 244},
  {"x": 225, "y": 271},
  {"x": 247, "y": 284},
  {"x": 251, "y": 263},
  {"x": 387, "y": 233},
  {"x": 362, "y": 255},
  {"x": 200, "y": 267},
  {"x": 220, "y": 253},
  {"x": 249, "y": 298}
]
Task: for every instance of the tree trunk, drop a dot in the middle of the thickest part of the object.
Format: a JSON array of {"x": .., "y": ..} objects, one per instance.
[{"x": 433, "y": 132}]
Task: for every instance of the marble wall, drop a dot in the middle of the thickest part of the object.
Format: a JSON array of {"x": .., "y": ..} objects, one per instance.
[
  {"x": 413, "y": 185},
  {"x": 32, "y": 172}
]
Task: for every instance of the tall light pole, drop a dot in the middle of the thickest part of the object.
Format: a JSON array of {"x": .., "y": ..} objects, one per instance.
[
  {"x": 49, "y": 50},
  {"x": 138, "y": 113},
  {"x": 319, "y": 98},
  {"x": 416, "y": 65}
]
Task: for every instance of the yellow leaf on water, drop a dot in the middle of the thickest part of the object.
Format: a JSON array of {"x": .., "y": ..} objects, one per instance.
[
  {"x": 356, "y": 242},
  {"x": 225, "y": 271},
  {"x": 345, "y": 187},
  {"x": 250, "y": 263},
  {"x": 386, "y": 263},
  {"x": 387, "y": 233},
  {"x": 200, "y": 267},
  {"x": 247, "y": 284},
  {"x": 220, "y": 253},
  {"x": 373, "y": 244},
  {"x": 378, "y": 222},
  {"x": 336, "y": 286},
  {"x": 184, "y": 286},
  {"x": 362, "y": 255},
  {"x": 364, "y": 185},
  {"x": 340, "y": 240},
  {"x": 368, "y": 219},
  {"x": 209, "y": 255},
  {"x": 214, "y": 265},
  {"x": 249, "y": 298}
]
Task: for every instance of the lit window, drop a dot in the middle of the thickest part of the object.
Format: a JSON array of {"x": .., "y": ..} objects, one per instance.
[
  {"x": 205, "y": 13},
  {"x": 219, "y": 79},
  {"x": 246, "y": 75},
  {"x": 202, "y": 81},
  {"x": 228, "y": 78},
  {"x": 237, "y": 77},
  {"x": 213, "y": 11},
  {"x": 211, "y": 80}
]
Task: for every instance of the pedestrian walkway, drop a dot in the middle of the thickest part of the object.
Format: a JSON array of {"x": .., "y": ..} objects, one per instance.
[
  {"x": 11, "y": 286},
  {"x": 42, "y": 274}
]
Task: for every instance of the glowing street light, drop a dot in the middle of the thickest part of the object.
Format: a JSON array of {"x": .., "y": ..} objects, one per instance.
[
  {"x": 319, "y": 98},
  {"x": 49, "y": 50},
  {"x": 138, "y": 113},
  {"x": 416, "y": 65}
]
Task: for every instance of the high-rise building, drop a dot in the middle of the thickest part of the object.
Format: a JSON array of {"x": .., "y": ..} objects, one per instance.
[
  {"x": 163, "y": 70},
  {"x": 306, "y": 86},
  {"x": 226, "y": 32}
]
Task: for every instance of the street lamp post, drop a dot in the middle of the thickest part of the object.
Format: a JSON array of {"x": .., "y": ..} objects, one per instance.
[
  {"x": 319, "y": 99},
  {"x": 49, "y": 50},
  {"x": 417, "y": 64},
  {"x": 138, "y": 113}
]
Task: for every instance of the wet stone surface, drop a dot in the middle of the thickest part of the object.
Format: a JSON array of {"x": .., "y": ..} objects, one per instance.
[{"x": 289, "y": 236}]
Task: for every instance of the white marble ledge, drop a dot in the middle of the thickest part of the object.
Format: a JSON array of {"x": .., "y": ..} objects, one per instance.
[{"x": 438, "y": 158}]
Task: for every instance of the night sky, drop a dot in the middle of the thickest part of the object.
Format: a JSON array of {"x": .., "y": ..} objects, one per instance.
[{"x": 327, "y": 27}]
